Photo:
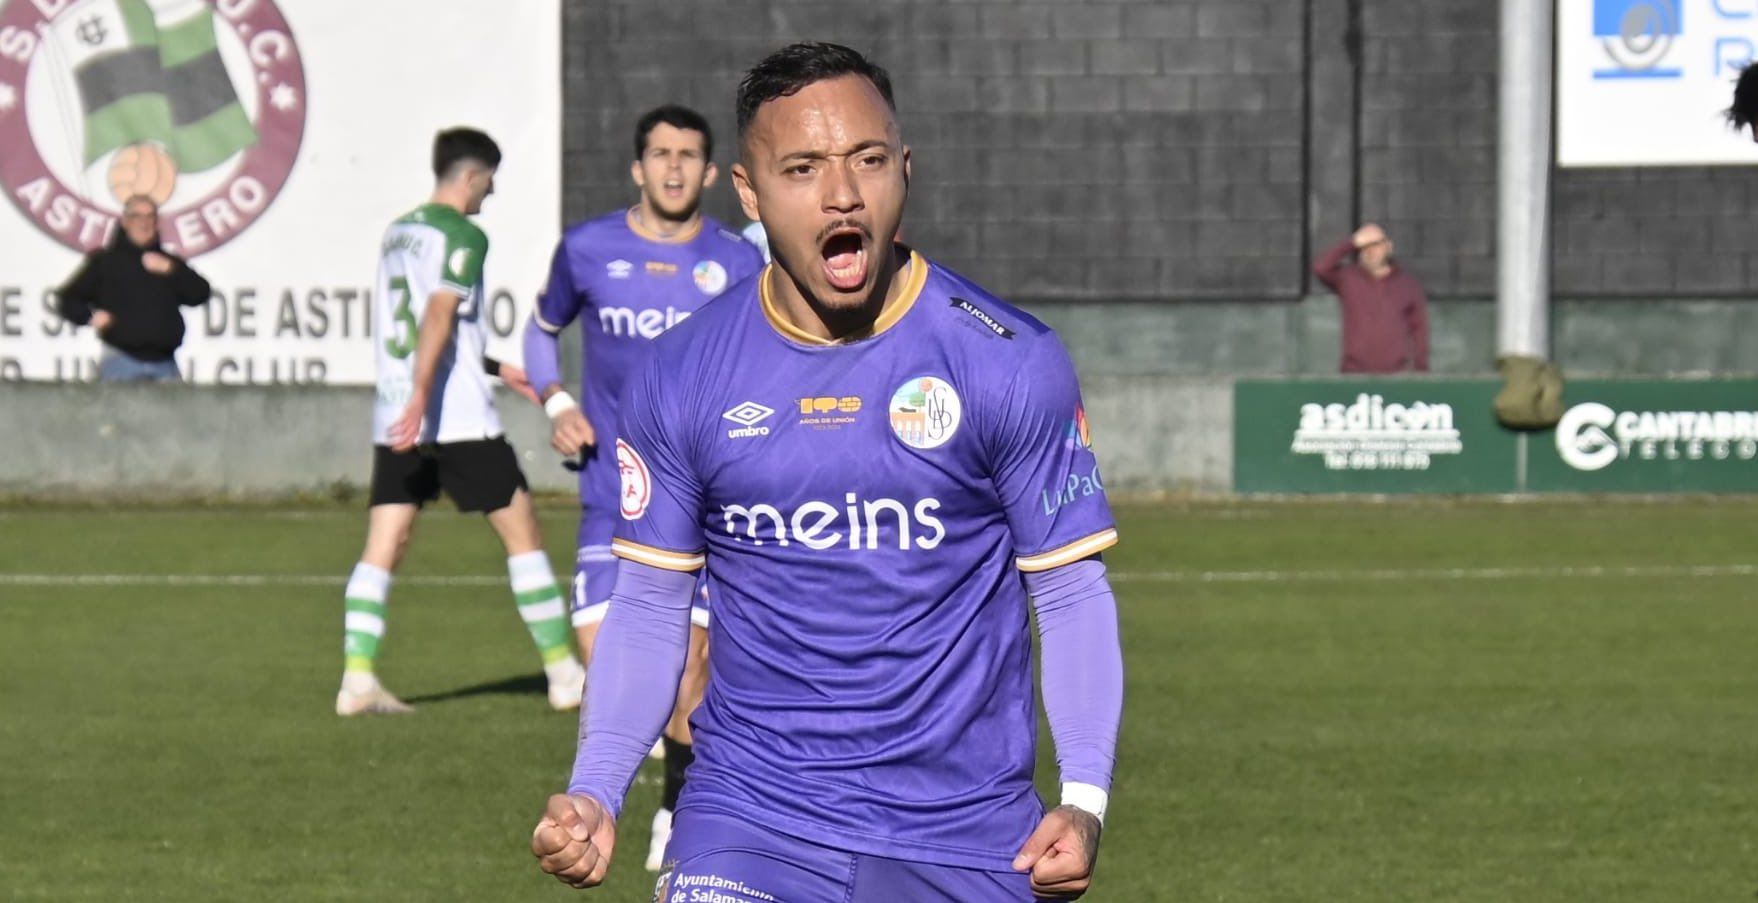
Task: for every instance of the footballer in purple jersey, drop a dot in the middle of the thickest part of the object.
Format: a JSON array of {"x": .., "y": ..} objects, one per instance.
[
  {"x": 882, "y": 465},
  {"x": 629, "y": 276}
]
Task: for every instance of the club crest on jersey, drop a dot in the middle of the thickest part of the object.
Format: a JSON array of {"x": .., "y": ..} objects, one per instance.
[
  {"x": 925, "y": 412},
  {"x": 637, "y": 481},
  {"x": 710, "y": 277},
  {"x": 460, "y": 259}
]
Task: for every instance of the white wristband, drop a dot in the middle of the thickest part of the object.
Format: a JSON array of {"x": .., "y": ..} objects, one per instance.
[
  {"x": 1086, "y": 797},
  {"x": 559, "y": 402}
]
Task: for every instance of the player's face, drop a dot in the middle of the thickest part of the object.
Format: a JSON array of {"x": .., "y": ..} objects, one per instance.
[
  {"x": 826, "y": 171},
  {"x": 481, "y": 185},
  {"x": 140, "y": 221},
  {"x": 673, "y": 170}
]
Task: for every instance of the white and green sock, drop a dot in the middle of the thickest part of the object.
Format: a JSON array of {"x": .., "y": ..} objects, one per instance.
[
  {"x": 540, "y": 605},
  {"x": 364, "y": 623}
]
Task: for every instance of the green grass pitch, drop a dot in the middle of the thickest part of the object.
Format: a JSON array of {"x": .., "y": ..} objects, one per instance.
[{"x": 1327, "y": 701}]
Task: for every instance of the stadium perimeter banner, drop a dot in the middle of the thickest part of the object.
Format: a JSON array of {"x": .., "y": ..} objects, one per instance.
[
  {"x": 1651, "y": 436},
  {"x": 1369, "y": 436},
  {"x": 280, "y": 137},
  {"x": 1440, "y": 435},
  {"x": 1644, "y": 82}
]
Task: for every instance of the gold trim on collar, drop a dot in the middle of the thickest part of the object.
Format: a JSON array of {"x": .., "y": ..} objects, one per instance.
[
  {"x": 893, "y": 312},
  {"x": 643, "y": 231}
]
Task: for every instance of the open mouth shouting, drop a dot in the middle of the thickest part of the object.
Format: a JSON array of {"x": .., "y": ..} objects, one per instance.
[{"x": 844, "y": 251}]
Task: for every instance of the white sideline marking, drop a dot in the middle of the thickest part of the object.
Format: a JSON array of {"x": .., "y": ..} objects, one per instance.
[
  {"x": 1384, "y": 574},
  {"x": 1584, "y": 572},
  {"x": 229, "y": 580}
]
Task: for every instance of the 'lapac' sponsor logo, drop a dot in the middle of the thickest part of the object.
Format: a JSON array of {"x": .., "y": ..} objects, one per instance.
[
  {"x": 647, "y": 324},
  {"x": 1080, "y": 433},
  {"x": 858, "y": 524},
  {"x": 1078, "y": 486},
  {"x": 1593, "y": 436},
  {"x": 1370, "y": 434}
]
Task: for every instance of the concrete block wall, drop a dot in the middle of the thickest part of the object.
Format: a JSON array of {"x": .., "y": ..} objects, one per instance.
[
  {"x": 1597, "y": 336},
  {"x": 155, "y": 440},
  {"x": 1096, "y": 150},
  {"x": 1427, "y": 152},
  {"x": 1094, "y": 161},
  {"x": 1428, "y": 170},
  {"x": 1156, "y": 433}
]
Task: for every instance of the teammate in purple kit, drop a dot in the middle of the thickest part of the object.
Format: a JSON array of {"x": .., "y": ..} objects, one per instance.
[
  {"x": 880, "y": 463},
  {"x": 629, "y": 276}
]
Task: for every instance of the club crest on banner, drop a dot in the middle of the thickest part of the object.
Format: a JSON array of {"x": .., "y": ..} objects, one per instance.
[{"x": 197, "y": 105}]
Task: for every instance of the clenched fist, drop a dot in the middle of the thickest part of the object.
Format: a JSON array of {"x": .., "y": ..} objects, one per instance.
[
  {"x": 574, "y": 839},
  {"x": 1061, "y": 853}
]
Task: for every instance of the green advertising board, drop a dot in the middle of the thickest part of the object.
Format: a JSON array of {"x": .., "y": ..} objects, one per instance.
[
  {"x": 1370, "y": 435},
  {"x": 1410, "y": 435},
  {"x": 1698, "y": 435}
]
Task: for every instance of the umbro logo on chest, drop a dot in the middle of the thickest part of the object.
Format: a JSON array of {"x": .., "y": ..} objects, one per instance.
[{"x": 748, "y": 415}]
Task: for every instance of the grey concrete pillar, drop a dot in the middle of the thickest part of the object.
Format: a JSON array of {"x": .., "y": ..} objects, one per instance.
[
  {"x": 1333, "y": 116},
  {"x": 1523, "y": 181}
]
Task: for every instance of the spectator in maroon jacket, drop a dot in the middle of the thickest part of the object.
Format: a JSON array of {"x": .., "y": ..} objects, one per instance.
[{"x": 1385, "y": 314}]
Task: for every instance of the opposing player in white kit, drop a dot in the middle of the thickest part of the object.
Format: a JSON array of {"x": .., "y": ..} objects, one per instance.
[{"x": 435, "y": 425}]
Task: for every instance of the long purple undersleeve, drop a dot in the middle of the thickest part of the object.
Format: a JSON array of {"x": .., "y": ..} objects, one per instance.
[
  {"x": 633, "y": 680},
  {"x": 1083, "y": 667},
  {"x": 543, "y": 356}
]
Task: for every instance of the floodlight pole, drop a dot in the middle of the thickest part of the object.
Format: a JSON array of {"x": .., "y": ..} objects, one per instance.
[{"x": 1523, "y": 181}]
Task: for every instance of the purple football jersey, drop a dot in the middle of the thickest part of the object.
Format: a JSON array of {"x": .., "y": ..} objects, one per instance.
[
  {"x": 628, "y": 285},
  {"x": 865, "y": 508}
]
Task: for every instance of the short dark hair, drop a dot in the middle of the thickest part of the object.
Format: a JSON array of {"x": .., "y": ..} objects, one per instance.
[
  {"x": 1744, "y": 112},
  {"x": 454, "y": 146},
  {"x": 678, "y": 118},
  {"x": 784, "y": 72}
]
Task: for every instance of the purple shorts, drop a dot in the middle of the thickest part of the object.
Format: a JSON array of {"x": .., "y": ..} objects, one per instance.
[
  {"x": 595, "y": 574},
  {"x": 719, "y": 858}
]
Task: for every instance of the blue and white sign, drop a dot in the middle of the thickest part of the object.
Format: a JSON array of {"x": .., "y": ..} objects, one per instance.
[{"x": 1644, "y": 82}]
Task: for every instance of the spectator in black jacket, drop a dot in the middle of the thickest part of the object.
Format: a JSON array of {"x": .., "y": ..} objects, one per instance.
[{"x": 130, "y": 291}]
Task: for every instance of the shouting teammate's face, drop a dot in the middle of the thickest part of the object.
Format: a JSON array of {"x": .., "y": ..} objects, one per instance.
[
  {"x": 672, "y": 172},
  {"x": 827, "y": 172}
]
